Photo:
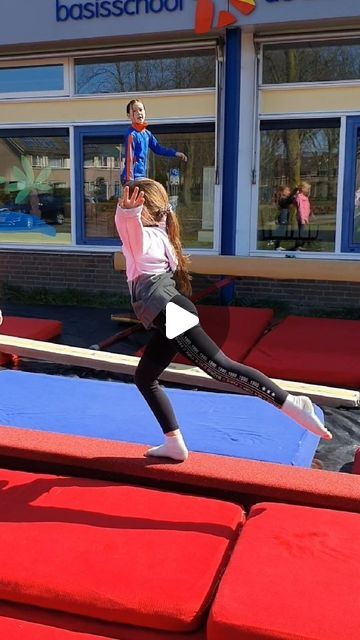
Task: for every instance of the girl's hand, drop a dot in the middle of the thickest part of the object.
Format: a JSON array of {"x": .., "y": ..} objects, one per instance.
[{"x": 136, "y": 200}]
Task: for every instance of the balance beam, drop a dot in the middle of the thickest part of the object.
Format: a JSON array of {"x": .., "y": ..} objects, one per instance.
[
  {"x": 294, "y": 268},
  {"x": 176, "y": 373},
  {"x": 246, "y": 481}
]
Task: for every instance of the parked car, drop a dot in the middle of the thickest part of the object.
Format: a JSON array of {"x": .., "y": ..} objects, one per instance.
[
  {"x": 20, "y": 220},
  {"x": 52, "y": 208}
]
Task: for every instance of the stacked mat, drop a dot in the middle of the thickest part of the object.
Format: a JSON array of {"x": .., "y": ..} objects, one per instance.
[
  {"x": 313, "y": 350},
  {"x": 110, "y": 557},
  {"x": 32, "y": 328},
  {"x": 82, "y": 559}
]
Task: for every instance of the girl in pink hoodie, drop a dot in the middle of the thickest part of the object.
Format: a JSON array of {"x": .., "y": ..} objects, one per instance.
[
  {"x": 303, "y": 209},
  {"x": 157, "y": 273}
]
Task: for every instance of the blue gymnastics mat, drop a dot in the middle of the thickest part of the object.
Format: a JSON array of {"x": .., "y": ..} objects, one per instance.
[{"x": 218, "y": 423}]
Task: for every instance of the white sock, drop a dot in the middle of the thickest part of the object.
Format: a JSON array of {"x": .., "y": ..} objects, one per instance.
[
  {"x": 301, "y": 409},
  {"x": 174, "y": 447}
]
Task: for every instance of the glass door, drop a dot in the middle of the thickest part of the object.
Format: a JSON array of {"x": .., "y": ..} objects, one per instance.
[
  {"x": 100, "y": 157},
  {"x": 100, "y": 154},
  {"x": 351, "y": 199}
]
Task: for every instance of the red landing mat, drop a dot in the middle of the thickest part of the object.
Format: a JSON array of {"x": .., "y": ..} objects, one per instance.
[
  {"x": 294, "y": 574},
  {"x": 246, "y": 480},
  {"x": 356, "y": 464},
  {"x": 112, "y": 552},
  {"x": 18, "y": 622},
  {"x": 19, "y": 629},
  {"x": 32, "y": 328},
  {"x": 234, "y": 329},
  {"x": 314, "y": 350}
]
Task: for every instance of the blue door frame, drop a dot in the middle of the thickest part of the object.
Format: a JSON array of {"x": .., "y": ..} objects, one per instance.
[
  {"x": 352, "y": 133},
  {"x": 110, "y": 131},
  {"x": 79, "y": 134},
  {"x": 231, "y": 151}
]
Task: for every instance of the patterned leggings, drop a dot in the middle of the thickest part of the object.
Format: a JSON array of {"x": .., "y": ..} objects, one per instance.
[{"x": 195, "y": 345}]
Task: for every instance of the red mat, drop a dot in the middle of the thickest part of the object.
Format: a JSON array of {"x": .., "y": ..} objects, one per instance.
[
  {"x": 32, "y": 328},
  {"x": 18, "y": 629},
  {"x": 234, "y": 329},
  {"x": 112, "y": 552},
  {"x": 294, "y": 574},
  {"x": 314, "y": 350},
  {"x": 18, "y": 622},
  {"x": 245, "y": 480},
  {"x": 356, "y": 464}
]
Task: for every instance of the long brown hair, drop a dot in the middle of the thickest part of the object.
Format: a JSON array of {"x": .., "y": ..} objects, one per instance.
[{"x": 155, "y": 209}]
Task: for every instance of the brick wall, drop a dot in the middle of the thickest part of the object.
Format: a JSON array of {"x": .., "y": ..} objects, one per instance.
[
  {"x": 93, "y": 272},
  {"x": 299, "y": 295},
  {"x": 58, "y": 271}
]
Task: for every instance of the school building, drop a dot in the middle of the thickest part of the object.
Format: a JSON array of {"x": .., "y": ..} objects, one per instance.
[{"x": 259, "y": 94}]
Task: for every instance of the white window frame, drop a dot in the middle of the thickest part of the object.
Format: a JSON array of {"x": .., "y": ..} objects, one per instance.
[
  {"x": 59, "y": 248},
  {"x": 68, "y": 63},
  {"x": 127, "y": 52},
  {"x": 259, "y": 40},
  {"x": 69, "y": 92},
  {"x": 298, "y": 39},
  {"x": 37, "y": 62},
  {"x": 337, "y": 253},
  {"x": 80, "y": 248}
]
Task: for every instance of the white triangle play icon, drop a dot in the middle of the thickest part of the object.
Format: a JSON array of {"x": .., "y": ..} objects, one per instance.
[{"x": 178, "y": 320}]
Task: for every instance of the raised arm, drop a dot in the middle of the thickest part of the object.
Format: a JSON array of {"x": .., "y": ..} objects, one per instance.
[
  {"x": 128, "y": 221},
  {"x": 129, "y": 157},
  {"x": 164, "y": 151}
]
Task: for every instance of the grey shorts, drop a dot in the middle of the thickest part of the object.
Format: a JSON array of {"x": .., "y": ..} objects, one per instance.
[{"x": 150, "y": 295}]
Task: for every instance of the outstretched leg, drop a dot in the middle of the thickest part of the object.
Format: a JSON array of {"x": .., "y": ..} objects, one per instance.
[{"x": 196, "y": 345}]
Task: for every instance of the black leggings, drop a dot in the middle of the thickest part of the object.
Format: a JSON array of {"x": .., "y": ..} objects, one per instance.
[{"x": 195, "y": 345}]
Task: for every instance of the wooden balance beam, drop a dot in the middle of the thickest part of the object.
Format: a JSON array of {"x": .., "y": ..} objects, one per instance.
[
  {"x": 294, "y": 268},
  {"x": 176, "y": 373},
  {"x": 137, "y": 326}
]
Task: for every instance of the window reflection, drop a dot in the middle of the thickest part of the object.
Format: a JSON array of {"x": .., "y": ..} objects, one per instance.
[
  {"x": 190, "y": 186},
  {"x": 289, "y": 158},
  {"x": 154, "y": 73},
  {"x": 35, "y": 189},
  {"x": 29, "y": 78},
  {"x": 311, "y": 62},
  {"x": 356, "y": 221},
  {"x": 102, "y": 167}
]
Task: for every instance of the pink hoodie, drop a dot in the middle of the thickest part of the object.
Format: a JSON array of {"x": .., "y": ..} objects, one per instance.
[
  {"x": 147, "y": 250},
  {"x": 303, "y": 209}
]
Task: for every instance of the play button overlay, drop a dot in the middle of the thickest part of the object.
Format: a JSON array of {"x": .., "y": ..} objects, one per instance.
[{"x": 178, "y": 320}]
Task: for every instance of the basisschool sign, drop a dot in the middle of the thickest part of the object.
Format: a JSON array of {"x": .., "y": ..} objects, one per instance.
[
  {"x": 113, "y": 8},
  {"x": 36, "y": 21}
]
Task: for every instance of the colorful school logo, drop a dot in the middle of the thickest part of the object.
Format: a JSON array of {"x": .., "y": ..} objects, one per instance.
[{"x": 204, "y": 14}]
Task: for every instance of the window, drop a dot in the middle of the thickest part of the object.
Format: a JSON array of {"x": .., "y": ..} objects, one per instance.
[
  {"x": 292, "y": 153},
  {"x": 101, "y": 180},
  {"x": 34, "y": 187},
  {"x": 311, "y": 62},
  {"x": 152, "y": 72},
  {"x": 351, "y": 192},
  {"x": 355, "y": 232},
  {"x": 31, "y": 79},
  {"x": 190, "y": 186}
]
